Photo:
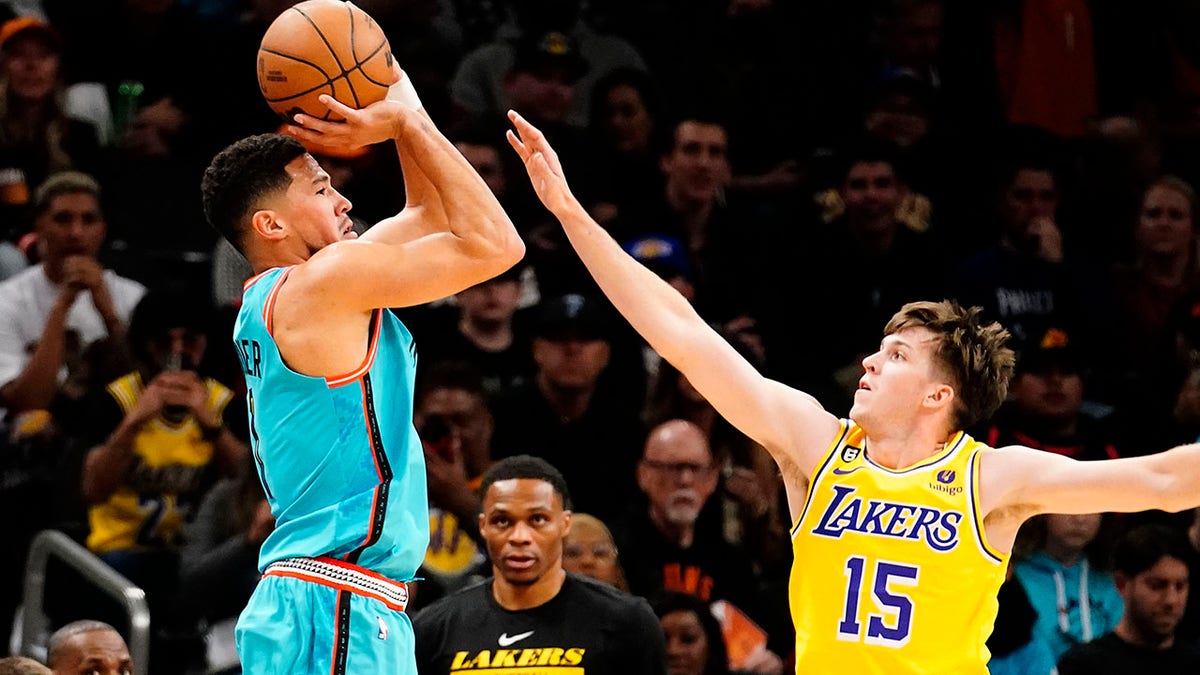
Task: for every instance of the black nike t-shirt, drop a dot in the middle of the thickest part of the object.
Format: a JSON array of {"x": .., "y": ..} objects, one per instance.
[{"x": 587, "y": 629}]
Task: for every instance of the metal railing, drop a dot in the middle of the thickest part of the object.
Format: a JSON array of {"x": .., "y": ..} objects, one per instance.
[{"x": 96, "y": 571}]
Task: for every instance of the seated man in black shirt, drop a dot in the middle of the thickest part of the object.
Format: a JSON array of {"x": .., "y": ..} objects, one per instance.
[
  {"x": 1150, "y": 566},
  {"x": 531, "y": 613}
]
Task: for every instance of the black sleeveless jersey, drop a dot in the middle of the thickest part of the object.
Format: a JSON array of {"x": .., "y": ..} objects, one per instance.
[{"x": 589, "y": 628}]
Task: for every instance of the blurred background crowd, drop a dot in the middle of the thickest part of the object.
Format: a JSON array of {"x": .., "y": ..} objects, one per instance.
[{"x": 798, "y": 170}]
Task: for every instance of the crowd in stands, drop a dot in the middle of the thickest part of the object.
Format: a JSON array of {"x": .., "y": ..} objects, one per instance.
[{"x": 798, "y": 170}]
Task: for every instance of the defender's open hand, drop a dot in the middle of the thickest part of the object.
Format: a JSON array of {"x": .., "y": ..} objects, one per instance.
[{"x": 545, "y": 171}]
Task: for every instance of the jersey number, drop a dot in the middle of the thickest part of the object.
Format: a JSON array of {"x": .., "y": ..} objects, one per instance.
[
  {"x": 892, "y": 627},
  {"x": 154, "y": 509},
  {"x": 262, "y": 469}
]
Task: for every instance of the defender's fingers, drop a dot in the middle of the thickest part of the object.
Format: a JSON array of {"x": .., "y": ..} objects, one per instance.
[
  {"x": 515, "y": 142},
  {"x": 528, "y": 132}
]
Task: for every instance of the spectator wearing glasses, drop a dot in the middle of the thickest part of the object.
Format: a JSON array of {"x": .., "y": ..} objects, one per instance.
[
  {"x": 673, "y": 542},
  {"x": 590, "y": 550}
]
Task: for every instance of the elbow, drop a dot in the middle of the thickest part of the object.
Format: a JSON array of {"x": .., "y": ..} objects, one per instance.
[
  {"x": 506, "y": 249},
  {"x": 510, "y": 248},
  {"x": 514, "y": 250}
]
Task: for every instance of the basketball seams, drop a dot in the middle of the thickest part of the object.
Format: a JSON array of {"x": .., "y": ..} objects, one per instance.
[
  {"x": 325, "y": 40},
  {"x": 345, "y": 72},
  {"x": 298, "y": 62}
]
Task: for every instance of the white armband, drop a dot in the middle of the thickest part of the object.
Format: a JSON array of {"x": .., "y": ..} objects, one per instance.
[{"x": 404, "y": 92}]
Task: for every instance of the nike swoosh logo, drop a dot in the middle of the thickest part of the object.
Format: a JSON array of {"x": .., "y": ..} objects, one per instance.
[
  {"x": 838, "y": 471},
  {"x": 504, "y": 640}
]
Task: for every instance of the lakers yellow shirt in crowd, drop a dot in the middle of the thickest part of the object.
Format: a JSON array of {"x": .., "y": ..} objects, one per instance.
[
  {"x": 892, "y": 573},
  {"x": 172, "y": 463}
]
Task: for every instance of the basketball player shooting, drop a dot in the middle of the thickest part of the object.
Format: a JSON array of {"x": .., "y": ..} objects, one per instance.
[
  {"x": 329, "y": 373},
  {"x": 903, "y": 523}
]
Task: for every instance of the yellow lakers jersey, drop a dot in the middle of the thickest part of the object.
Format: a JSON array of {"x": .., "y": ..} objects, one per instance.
[
  {"x": 892, "y": 573},
  {"x": 171, "y": 465}
]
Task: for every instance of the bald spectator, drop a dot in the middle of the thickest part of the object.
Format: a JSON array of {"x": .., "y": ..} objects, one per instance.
[
  {"x": 88, "y": 647},
  {"x": 673, "y": 540}
]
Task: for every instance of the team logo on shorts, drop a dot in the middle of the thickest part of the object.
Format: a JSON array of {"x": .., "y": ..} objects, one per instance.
[
  {"x": 850, "y": 453},
  {"x": 383, "y": 629}
]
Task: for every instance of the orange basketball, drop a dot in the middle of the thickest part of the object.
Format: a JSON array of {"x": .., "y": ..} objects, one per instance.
[{"x": 323, "y": 47}]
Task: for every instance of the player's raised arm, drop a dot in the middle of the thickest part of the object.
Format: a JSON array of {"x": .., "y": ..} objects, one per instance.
[
  {"x": 452, "y": 233},
  {"x": 1034, "y": 481},
  {"x": 789, "y": 423}
]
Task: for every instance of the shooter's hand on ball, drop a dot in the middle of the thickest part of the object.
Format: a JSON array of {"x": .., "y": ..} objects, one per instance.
[{"x": 381, "y": 121}]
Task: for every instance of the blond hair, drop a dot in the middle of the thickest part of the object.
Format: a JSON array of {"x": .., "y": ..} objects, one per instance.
[{"x": 972, "y": 354}]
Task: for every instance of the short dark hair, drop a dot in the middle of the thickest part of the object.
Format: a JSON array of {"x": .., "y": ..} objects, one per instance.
[
  {"x": 240, "y": 176},
  {"x": 1142, "y": 547},
  {"x": 526, "y": 466},
  {"x": 161, "y": 310},
  {"x": 450, "y": 374},
  {"x": 1029, "y": 148},
  {"x": 869, "y": 149},
  {"x": 697, "y": 113},
  {"x": 641, "y": 81}
]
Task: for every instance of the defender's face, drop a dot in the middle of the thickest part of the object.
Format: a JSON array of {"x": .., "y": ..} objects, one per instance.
[
  {"x": 897, "y": 378},
  {"x": 524, "y": 524},
  {"x": 314, "y": 211}
]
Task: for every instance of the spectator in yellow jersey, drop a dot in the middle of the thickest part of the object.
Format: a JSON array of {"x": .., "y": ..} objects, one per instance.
[{"x": 160, "y": 436}]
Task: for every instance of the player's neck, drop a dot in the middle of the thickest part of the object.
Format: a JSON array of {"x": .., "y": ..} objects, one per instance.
[
  {"x": 264, "y": 256},
  {"x": 903, "y": 450},
  {"x": 515, "y": 597}
]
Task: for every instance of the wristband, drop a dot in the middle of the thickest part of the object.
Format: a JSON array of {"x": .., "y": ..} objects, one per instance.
[{"x": 404, "y": 92}]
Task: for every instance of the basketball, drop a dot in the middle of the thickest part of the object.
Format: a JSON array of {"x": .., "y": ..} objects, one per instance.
[{"x": 323, "y": 47}]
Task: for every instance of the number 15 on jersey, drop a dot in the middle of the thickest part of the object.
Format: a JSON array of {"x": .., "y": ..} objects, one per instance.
[{"x": 889, "y": 612}]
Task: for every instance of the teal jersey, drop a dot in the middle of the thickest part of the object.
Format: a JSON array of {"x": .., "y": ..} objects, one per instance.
[{"x": 339, "y": 459}]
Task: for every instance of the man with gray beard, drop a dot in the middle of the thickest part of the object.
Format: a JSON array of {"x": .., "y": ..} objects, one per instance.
[{"x": 672, "y": 540}]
